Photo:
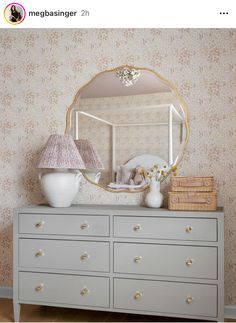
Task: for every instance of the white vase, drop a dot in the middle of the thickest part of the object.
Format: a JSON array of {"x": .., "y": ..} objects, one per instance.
[
  {"x": 60, "y": 186},
  {"x": 154, "y": 197}
]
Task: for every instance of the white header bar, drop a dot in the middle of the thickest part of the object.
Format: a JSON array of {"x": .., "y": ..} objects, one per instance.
[{"x": 119, "y": 14}]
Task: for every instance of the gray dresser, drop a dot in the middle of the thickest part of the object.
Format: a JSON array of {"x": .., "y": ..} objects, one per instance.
[{"x": 120, "y": 258}]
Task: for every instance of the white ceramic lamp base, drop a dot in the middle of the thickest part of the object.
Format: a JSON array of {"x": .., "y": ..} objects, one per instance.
[{"x": 60, "y": 187}]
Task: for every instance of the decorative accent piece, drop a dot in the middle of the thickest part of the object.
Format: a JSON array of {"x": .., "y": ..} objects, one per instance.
[
  {"x": 123, "y": 175},
  {"x": 60, "y": 185},
  {"x": 192, "y": 201},
  {"x": 193, "y": 184},
  {"x": 151, "y": 103},
  {"x": 192, "y": 193},
  {"x": 159, "y": 173},
  {"x": 128, "y": 76},
  {"x": 154, "y": 197},
  {"x": 138, "y": 176},
  {"x": 91, "y": 159}
]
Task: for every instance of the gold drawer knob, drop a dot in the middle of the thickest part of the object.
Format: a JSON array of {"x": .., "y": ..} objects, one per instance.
[
  {"x": 189, "y": 300},
  {"x": 137, "y": 227},
  {"x": 40, "y": 224},
  {"x": 40, "y": 288},
  {"x": 84, "y": 225},
  {"x": 137, "y": 259},
  {"x": 189, "y": 262},
  {"x": 189, "y": 229},
  {"x": 84, "y": 291},
  {"x": 85, "y": 256},
  {"x": 138, "y": 295},
  {"x": 40, "y": 253}
]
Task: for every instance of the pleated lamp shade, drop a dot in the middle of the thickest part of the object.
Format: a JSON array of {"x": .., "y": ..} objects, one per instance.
[
  {"x": 60, "y": 151},
  {"x": 89, "y": 154}
]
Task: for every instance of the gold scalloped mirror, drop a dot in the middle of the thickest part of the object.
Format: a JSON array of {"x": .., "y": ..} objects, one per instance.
[{"x": 126, "y": 119}]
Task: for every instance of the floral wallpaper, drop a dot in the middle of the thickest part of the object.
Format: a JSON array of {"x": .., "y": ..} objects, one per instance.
[{"x": 41, "y": 70}]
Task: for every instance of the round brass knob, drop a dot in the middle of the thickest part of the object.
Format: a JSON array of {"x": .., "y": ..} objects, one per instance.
[
  {"x": 137, "y": 227},
  {"x": 189, "y": 300},
  {"x": 39, "y": 288},
  {"x": 84, "y": 225},
  {"x": 84, "y": 291},
  {"x": 40, "y": 253},
  {"x": 137, "y": 259},
  {"x": 189, "y": 229},
  {"x": 138, "y": 295},
  {"x": 189, "y": 262},
  {"x": 85, "y": 256},
  {"x": 40, "y": 224}
]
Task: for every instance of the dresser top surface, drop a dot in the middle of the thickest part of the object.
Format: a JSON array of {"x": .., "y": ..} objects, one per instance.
[{"x": 115, "y": 209}]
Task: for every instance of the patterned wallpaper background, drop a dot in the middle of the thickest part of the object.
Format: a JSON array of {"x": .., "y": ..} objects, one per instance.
[{"x": 41, "y": 70}]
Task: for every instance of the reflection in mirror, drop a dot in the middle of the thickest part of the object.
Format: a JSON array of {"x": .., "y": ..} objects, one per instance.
[{"x": 132, "y": 119}]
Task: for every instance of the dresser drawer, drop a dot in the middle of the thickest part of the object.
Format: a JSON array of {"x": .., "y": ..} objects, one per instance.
[
  {"x": 165, "y": 297},
  {"x": 64, "y": 254},
  {"x": 165, "y": 228},
  {"x": 166, "y": 260},
  {"x": 78, "y": 225},
  {"x": 64, "y": 289}
]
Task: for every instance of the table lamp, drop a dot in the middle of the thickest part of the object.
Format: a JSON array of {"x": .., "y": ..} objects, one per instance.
[{"x": 60, "y": 183}]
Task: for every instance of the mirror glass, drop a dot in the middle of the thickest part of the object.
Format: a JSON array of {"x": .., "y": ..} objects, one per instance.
[{"x": 125, "y": 121}]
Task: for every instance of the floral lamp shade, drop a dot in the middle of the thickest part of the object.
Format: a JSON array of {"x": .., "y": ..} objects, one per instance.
[
  {"x": 60, "y": 151},
  {"x": 89, "y": 154}
]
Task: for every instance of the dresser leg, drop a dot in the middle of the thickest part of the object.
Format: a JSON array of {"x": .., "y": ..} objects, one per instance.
[{"x": 16, "y": 307}]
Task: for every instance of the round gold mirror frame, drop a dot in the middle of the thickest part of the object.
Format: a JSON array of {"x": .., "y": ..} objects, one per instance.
[{"x": 179, "y": 97}]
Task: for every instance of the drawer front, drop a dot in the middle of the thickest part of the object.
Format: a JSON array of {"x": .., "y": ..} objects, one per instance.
[
  {"x": 166, "y": 260},
  {"x": 166, "y": 228},
  {"x": 64, "y": 289},
  {"x": 79, "y": 225},
  {"x": 166, "y": 297},
  {"x": 63, "y": 254}
]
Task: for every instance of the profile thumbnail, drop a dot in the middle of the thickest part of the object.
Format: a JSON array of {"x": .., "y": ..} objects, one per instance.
[{"x": 14, "y": 13}]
